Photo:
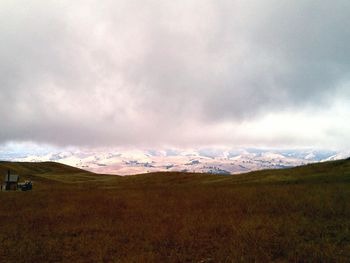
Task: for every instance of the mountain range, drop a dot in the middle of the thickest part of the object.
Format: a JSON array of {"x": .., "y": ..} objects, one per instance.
[{"x": 208, "y": 160}]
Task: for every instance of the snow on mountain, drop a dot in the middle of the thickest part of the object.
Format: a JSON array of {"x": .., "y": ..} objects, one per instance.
[
  {"x": 222, "y": 161},
  {"x": 338, "y": 156}
]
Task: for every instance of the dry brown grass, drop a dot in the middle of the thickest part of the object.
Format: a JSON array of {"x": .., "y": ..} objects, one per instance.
[{"x": 177, "y": 218}]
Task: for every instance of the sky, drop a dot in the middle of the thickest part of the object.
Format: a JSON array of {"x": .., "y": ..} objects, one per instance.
[{"x": 186, "y": 73}]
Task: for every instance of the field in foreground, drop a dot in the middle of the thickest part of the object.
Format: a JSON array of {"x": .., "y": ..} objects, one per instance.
[{"x": 293, "y": 215}]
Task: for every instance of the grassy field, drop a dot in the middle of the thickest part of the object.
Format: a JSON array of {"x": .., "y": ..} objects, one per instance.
[{"x": 292, "y": 215}]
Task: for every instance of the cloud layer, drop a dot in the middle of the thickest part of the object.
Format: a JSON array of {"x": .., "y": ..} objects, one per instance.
[{"x": 185, "y": 72}]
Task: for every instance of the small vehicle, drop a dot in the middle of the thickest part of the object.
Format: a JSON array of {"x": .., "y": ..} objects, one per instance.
[{"x": 26, "y": 186}]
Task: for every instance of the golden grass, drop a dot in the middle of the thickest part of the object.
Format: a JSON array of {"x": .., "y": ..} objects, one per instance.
[{"x": 295, "y": 215}]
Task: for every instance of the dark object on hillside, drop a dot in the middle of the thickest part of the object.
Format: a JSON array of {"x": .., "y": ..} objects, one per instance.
[
  {"x": 11, "y": 181},
  {"x": 26, "y": 186}
]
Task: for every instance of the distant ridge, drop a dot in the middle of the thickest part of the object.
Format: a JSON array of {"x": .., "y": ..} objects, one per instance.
[
  {"x": 323, "y": 172},
  {"x": 29, "y": 168},
  {"x": 216, "y": 161}
]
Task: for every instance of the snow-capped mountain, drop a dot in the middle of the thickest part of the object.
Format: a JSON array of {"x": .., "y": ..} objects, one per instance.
[{"x": 223, "y": 161}]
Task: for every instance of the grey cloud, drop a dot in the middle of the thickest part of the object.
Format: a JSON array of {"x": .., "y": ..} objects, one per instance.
[{"x": 153, "y": 72}]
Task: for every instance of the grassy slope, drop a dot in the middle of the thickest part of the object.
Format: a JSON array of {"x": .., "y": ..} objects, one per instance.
[
  {"x": 333, "y": 171},
  {"x": 298, "y": 214},
  {"x": 37, "y": 168},
  {"x": 46, "y": 173}
]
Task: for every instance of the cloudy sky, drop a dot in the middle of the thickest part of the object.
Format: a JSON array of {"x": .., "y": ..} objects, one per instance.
[{"x": 186, "y": 73}]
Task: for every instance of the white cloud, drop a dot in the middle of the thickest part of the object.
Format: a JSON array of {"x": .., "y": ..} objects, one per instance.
[{"x": 155, "y": 73}]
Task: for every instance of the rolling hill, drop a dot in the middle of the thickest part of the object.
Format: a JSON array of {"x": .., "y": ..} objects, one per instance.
[
  {"x": 32, "y": 168},
  {"x": 325, "y": 172},
  {"x": 300, "y": 214}
]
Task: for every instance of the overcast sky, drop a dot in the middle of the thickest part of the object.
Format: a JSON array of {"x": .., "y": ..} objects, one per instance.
[{"x": 186, "y": 73}]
